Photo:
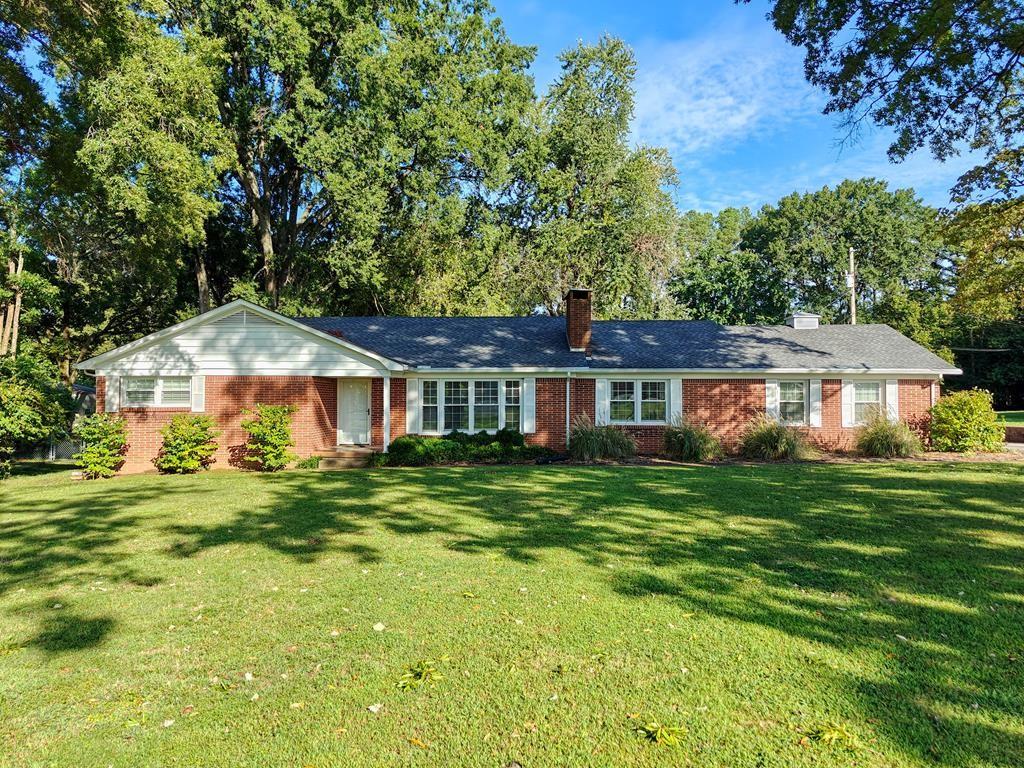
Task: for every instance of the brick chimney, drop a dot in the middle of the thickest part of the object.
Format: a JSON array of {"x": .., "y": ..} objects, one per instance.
[{"x": 577, "y": 319}]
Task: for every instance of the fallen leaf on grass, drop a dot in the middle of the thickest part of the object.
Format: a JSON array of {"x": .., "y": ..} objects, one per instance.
[
  {"x": 379, "y": 627},
  {"x": 418, "y": 743},
  {"x": 375, "y": 708}
]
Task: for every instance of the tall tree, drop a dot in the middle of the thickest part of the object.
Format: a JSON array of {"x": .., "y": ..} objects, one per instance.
[
  {"x": 600, "y": 214},
  {"x": 353, "y": 124},
  {"x": 718, "y": 279},
  {"x": 902, "y": 260},
  {"x": 942, "y": 73}
]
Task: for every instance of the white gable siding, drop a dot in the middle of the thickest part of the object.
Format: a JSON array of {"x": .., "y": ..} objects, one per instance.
[{"x": 244, "y": 344}]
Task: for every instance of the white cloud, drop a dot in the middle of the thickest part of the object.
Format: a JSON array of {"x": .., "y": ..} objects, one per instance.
[{"x": 733, "y": 83}]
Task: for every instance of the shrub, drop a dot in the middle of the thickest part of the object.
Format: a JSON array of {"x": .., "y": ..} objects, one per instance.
[
  {"x": 768, "y": 440},
  {"x": 189, "y": 445},
  {"x": 420, "y": 451},
  {"x": 692, "y": 442},
  {"x": 105, "y": 441},
  {"x": 310, "y": 462},
  {"x": 888, "y": 439},
  {"x": 590, "y": 443},
  {"x": 965, "y": 422},
  {"x": 270, "y": 436}
]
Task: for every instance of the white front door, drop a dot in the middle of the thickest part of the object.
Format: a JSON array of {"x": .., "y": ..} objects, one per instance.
[{"x": 353, "y": 411}]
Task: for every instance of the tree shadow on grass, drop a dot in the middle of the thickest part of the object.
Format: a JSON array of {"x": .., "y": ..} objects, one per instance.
[
  {"x": 786, "y": 548},
  {"x": 855, "y": 558},
  {"x": 64, "y": 630}
]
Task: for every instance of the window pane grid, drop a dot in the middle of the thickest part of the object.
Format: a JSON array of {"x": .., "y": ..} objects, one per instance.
[
  {"x": 792, "y": 402},
  {"x": 867, "y": 401},
  {"x": 622, "y": 406},
  {"x": 470, "y": 405},
  {"x": 155, "y": 391},
  {"x": 652, "y": 401}
]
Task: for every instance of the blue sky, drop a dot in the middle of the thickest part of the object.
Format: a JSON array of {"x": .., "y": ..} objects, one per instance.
[{"x": 725, "y": 93}]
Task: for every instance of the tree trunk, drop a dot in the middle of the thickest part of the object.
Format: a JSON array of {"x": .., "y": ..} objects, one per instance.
[
  {"x": 202, "y": 281},
  {"x": 16, "y": 320},
  {"x": 8, "y": 331}
]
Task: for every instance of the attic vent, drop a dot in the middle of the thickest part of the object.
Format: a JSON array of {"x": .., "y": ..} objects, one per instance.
[{"x": 803, "y": 320}]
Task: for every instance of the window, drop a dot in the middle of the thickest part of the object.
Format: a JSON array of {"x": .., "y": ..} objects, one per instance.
[
  {"x": 512, "y": 406},
  {"x": 153, "y": 391},
  {"x": 867, "y": 401},
  {"x": 456, "y": 405},
  {"x": 139, "y": 391},
  {"x": 652, "y": 401},
  {"x": 470, "y": 406},
  {"x": 430, "y": 406},
  {"x": 622, "y": 401},
  {"x": 176, "y": 391},
  {"x": 485, "y": 405},
  {"x": 633, "y": 402},
  {"x": 793, "y": 402}
]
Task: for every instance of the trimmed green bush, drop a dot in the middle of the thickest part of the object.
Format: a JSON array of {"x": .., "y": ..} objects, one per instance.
[
  {"x": 105, "y": 442},
  {"x": 420, "y": 451},
  {"x": 692, "y": 442},
  {"x": 310, "y": 462},
  {"x": 270, "y": 436},
  {"x": 767, "y": 440},
  {"x": 189, "y": 445},
  {"x": 888, "y": 439},
  {"x": 591, "y": 443},
  {"x": 966, "y": 422}
]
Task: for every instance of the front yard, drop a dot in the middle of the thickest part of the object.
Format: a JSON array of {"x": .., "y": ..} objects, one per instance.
[{"x": 818, "y": 615}]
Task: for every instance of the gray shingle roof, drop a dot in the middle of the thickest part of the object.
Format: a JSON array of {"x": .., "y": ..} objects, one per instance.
[{"x": 500, "y": 342}]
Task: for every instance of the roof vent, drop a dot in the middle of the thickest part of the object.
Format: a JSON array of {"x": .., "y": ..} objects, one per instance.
[{"x": 803, "y": 320}]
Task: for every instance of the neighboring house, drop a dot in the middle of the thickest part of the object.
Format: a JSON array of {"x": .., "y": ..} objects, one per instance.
[{"x": 367, "y": 380}]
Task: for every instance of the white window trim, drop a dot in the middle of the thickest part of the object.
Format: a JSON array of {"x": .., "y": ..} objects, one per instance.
[
  {"x": 158, "y": 393},
  {"x": 881, "y": 399},
  {"x": 638, "y": 402},
  {"x": 442, "y": 427},
  {"x": 805, "y": 420}
]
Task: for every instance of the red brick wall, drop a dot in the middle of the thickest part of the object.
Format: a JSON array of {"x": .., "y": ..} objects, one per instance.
[
  {"x": 314, "y": 424},
  {"x": 550, "y": 428},
  {"x": 397, "y": 407},
  {"x": 377, "y": 411},
  {"x": 726, "y": 406}
]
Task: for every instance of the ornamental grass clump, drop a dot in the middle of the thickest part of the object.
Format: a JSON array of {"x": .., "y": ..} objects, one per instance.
[
  {"x": 766, "y": 439},
  {"x": 966, "y": 422},
  {"x": 270, "y": 436},
  {"x": 591, "y": 443},
  {"x": 104, "y": 444},
  {"x": 189, "y": 445},
  {"x": 886, "y": 439},
  {"x": 692, "y": 442}
]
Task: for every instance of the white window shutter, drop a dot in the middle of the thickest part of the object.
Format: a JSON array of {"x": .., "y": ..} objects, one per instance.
[
  {"x": 112, "y": 394},
  {"x": 814, "y": 390},
  {"x": 675, "y": 401},
  {"x": 529, "y": 405},
  {"x": 198, "y": 394},
  {"x": 771, "y": 398},
  {"x": 412, "y": 406},
  {"x": 848, "y": 417},
  {"x": 892, "y": 399},
  {"x": 602, "y": 407}
]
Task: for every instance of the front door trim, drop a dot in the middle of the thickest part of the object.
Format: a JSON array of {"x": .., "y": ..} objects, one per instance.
[{"x": 347, "y": 432}]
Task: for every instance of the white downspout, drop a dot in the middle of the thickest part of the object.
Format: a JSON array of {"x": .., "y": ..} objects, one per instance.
[
  {"x": 568, "y": 408},
  {"x": 387, "y": 411}
]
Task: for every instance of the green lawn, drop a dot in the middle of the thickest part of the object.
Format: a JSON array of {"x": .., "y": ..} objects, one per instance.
[
  {"x": 804, "y": 615},
  {"x": 1014, "y": 418}
]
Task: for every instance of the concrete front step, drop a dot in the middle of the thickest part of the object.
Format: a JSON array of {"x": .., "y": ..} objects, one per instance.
[
  {"x": 353, "y": 462},
  {"x": 345, "y": 456}
]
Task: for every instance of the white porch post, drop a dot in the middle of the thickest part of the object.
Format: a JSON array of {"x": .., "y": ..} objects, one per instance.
[{"x": 387, "y": 412}]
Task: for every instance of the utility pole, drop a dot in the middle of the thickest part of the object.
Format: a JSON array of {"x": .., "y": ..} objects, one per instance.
[{"x": 851, "y": 283}]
